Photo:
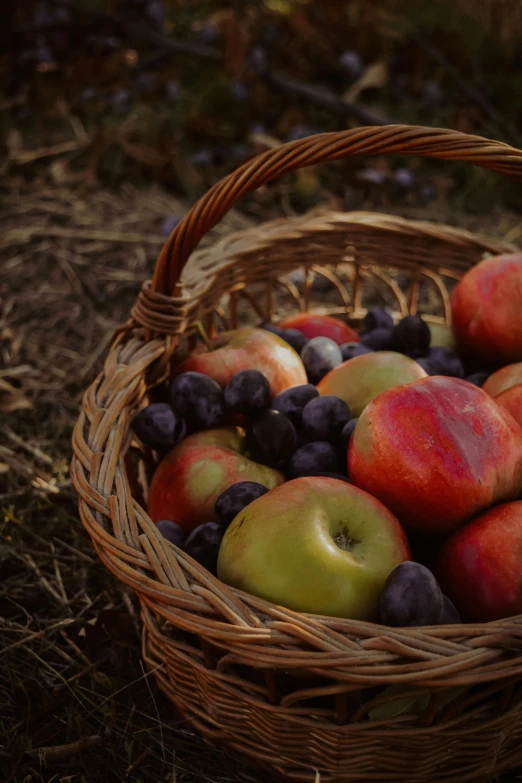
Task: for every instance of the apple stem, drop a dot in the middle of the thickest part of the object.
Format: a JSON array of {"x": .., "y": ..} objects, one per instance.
[{"x": 343, "y": 541}]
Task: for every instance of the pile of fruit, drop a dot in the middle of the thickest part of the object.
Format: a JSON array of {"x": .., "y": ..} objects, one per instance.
[{"x": 372, "y": 474}]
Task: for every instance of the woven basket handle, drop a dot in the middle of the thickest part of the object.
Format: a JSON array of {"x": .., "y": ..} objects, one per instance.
[{"x": 428, "y": 142}]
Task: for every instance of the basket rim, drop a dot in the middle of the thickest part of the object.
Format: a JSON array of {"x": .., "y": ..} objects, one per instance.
[{"x": 442, "y": 655}]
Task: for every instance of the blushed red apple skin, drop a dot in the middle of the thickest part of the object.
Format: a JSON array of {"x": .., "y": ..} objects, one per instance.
[
  {"x": 511, "y": 401},
  {"x": 479, "y": 566},
  {"x": 486, "y": 308},
  {"x": 249, "y": 349},
  {"x": 313, "y": 325},
  {"x": 436, "y": 452},
  {"x": 192, "y": 476},
  {"x": 503, "y": 379}
]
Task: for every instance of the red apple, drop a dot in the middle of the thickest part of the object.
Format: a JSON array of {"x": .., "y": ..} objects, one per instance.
[
  {"x": 511, "y": 400},
  {"x": 313, "y": 325},
  {"x": 436, "y": 453},
  {"x": 314, "y": 544},
  {"x": 479, "y": 567},
  {"x": 486, "y": 310},
  {"x": 249, "y": 349},
  {"x": 359, "y": 380},
  {"x": 192, "y": 476},
  {"x": 503, "y": 379}
]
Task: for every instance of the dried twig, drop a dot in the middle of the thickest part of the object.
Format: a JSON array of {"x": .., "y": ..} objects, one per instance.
[
  {"x": 36, "y": 635},
  {"x": 52, "y": 754}
]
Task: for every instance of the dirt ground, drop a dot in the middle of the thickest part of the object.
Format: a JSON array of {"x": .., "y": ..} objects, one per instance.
[{"x": 77, "y": 705}]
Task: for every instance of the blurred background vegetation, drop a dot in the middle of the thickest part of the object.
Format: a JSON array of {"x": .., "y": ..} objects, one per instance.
[{"x": 179, "y": 92}]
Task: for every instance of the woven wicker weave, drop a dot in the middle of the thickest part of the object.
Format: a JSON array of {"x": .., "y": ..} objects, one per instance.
[{"x": 297, "y": 693}]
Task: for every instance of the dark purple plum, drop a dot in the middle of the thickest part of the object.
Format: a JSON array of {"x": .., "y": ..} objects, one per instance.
[
  {"x": 411, "y": 596},
  {"x": 159, "y": 427},
  {"x": 426, "y": 365},
  {"x": 347, "y": 432},
  {"x": 313, "y": 458},
  {"x": 444, "y": 361},
  {"x": 450, "y": 615},
  {"x": 203, "y": 544},
  {"x": 350, "y": 350},
  {"x": 320, "y": 355},
  {"x": 295, "y": 338},
  {"x": 380, "y": 339},
  {"x": 376, "y": 318},
  {"x": 291, "y": 402},
  {"x": 236, "y": 498},
  {"x": 477, "y": 378},
  {"x": 199, "y": 399},
  {"x": 324, "y": 418},
  {"x": 272, "y": 328},
  {"x": 247, "y": 392},
  {"x": 172, "y": 532},
  {"x": 412, "y": 336},
  {"x": 271, "y": 438}
]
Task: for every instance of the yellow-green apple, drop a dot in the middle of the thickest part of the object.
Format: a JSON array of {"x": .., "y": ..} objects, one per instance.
[
  {"x": 248, "y": 349},
  {"x": 479, "y": 566},
  {"x": 359, "y": 380},
  {"x": 503, "y": 379},
  {"x": 315, "y": 545},
  {"x": 442, "y": 335},
  {"x": 314, "y": 325},
  {"x": 192, "y": 476},
  {"x": 486, "y": 307},
  {"x": 436, "y": 452}
]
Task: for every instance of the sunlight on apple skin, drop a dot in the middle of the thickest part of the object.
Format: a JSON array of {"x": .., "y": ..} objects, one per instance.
[{"x": 282, "y": 548}]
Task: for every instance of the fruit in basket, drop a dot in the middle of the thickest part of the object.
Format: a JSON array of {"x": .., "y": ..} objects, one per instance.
[
  {"x": 247, "y": 392},
  {"x": 359, "y": 380},
  {"x": 295, "y": 338},
  {"x": 442, "y": 361},
  {"x": 203, "y": 544},
  {"x": 436, "y": 452},
  {"x": 248, "y": 349},
  {"x": 511, "y": 401},
  {"x": 441, "y": 335},
  {"x": 158, "y": 426},
  {"x": 376, "y": 318},
  {"x": 477, "y": 378},
  {"x": 450, "y": 614},
  {"x": 199, "y": 399},
  {"x": 320, "y": 355},
  {"x": 172, "y": 532},
  {"x": 192, "y": 476},
  {"x": 311, "y": 458},
  {"x": 412, "y": 336},
  {"x": 314, "y": 545},
  {"x": 235, "y": 498},
  {"x": 313, "y": 325},
  {"x": 479, "y": 565},
  {"x": 486, "y": 307},
  {"x": 350, "y": 350},
  {"x": 347, "y": 432},
  {"x": 503, "y": 379},
  {"x": 379, "y": 340},
  {"x": 411, "y": 596},
  {"x": 291, "y": 402},
  {"x": 271, "y": 438},
  {"x": 324, "y": 418}
]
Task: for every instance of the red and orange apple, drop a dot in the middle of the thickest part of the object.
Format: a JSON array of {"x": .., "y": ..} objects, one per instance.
[{"x": 314, "y": 325}]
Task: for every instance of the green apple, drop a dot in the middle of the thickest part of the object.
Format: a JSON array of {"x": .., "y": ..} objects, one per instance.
[
  {"x": 442, "y": 334},
  {"x": 316, "y": 545},
  {"x": 359, "y": 380}
]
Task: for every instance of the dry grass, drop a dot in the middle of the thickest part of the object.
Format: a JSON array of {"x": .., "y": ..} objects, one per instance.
[{"x": 76, "y": 702}]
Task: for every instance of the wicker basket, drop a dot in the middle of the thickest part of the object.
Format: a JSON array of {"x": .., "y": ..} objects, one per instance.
[{"x": 297, "y": 693}]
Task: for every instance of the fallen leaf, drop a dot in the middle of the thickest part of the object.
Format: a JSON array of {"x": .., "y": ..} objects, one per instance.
[
  {"x": 12, "y": 399},
  {"x": 375, "y": 75}
]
